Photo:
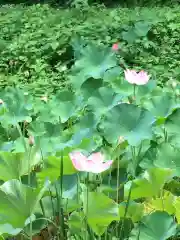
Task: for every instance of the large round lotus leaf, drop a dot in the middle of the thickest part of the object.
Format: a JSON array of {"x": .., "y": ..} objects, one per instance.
[
  {"x": 18, "y": 202},
  {"x": 100, "y": 211},
  {"x": 156, "y": 226},
  {"x": 128, "y": 121},
  {"x": 94, "y": 62},
  {"x": 103, "y": 100},
  {"x": 67, "y": 104}
]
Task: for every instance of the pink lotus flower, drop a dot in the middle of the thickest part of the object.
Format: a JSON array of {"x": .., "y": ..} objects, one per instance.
[
  {"x": 115, "y": 46},
  {"x": 134, "y": 77},
  {"x": 94, "y": 163}
]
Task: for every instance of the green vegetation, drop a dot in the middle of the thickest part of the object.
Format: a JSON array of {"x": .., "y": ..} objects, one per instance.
[
  {"x": 36, "y": 41},
  {"x": 136, "y": 126},
  {"x": 96, "y": 157}
]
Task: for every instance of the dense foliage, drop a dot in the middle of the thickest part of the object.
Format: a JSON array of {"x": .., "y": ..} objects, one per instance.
[
  {"x": 126, "y": 3},
  {"x": 37, "y": 42},
  {"x": 53, "y": 181},
  {"x": 136, "y": 126}
]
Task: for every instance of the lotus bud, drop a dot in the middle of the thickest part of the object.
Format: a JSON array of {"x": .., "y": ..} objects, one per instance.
[
  {"x": 115, "y": 47},
  {"x": 31, "y": 140}
]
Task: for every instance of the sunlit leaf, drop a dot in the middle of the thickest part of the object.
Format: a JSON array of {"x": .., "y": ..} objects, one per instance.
[
  {"x": 135, "y": 211},
  {"x": 18, "y": 202},
  {"x": 176, "y": 205},
  {"x": 149, "y": 185},
  {"x": 164, "y": 203},
  {"x": 15, "y": 165},
  {"x": 100, "y": 211}
]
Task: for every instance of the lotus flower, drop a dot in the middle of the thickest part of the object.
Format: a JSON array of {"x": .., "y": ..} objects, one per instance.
[
  {"x": 134, "y": 77},
  {"x": 94, "y": 163},
  {"x": 115, "y": 46}
]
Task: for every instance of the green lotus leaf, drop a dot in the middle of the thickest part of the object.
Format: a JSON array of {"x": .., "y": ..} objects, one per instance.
[
  {"x": 48, "y": 204},
  {"x": 7, "y": 229},
  {"x": 112, "y": 74},
  {"x": 164, "y": 203},
  {"x": 103, "y": 100},
  {"x": 122, "y": 87},
  {"x": 76, "y": 223},
  {"x": 90, "y": 86},
  {"x": 141, "y": 28},
  {"x": 149, "y": 184},
  {"x": 15, "y": 165},
  {"x": 18, "y": 202},
  {"x": 54, "y": 168},
  {"x": 69, "y": 186},
  {"x": 130, "y": 36},
  {"x": 19, "y": 107},
  {"x": 156, "y": 226},
  {"x": 168, "y": 157},
  {"x": 67, "y": 104},
  {"x": 135, "y": 210},
  {"x": 172, "y": 128},
  {"x": 38, "y": 224},
  {"x": 161, "y": 106},
  {"x": 100, "y": 211},
  {"x": 129, "y": 121},
  {"x": 93, "y": 63}
]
